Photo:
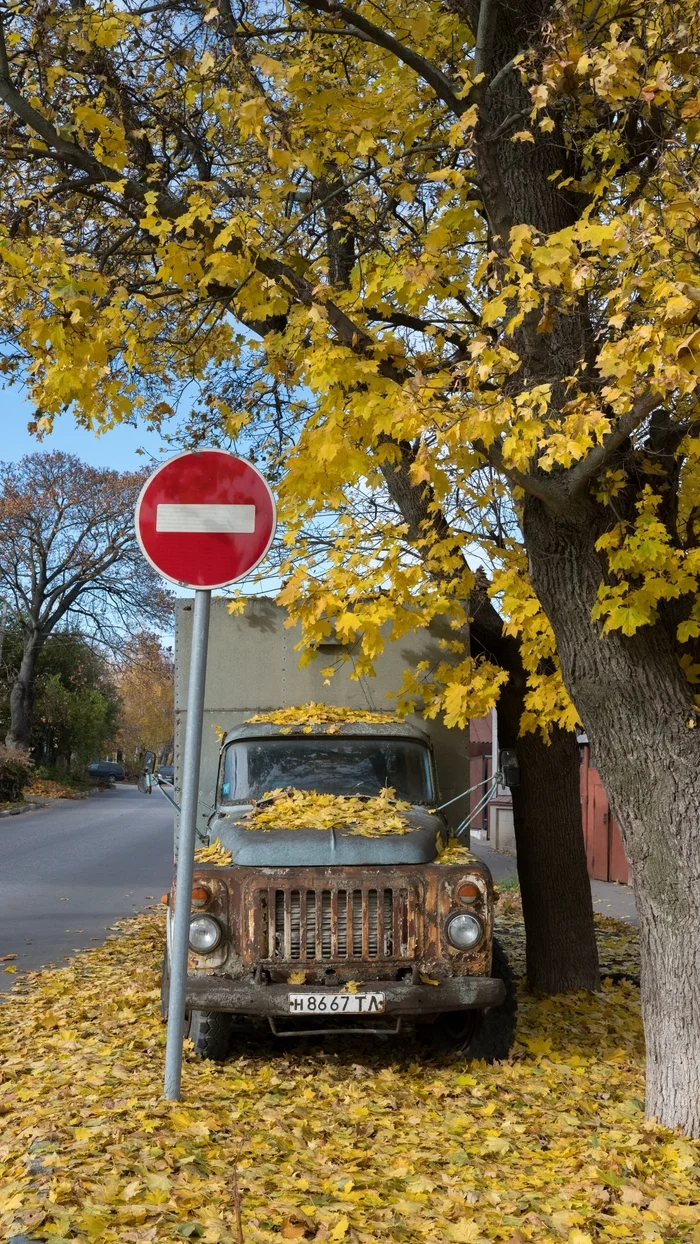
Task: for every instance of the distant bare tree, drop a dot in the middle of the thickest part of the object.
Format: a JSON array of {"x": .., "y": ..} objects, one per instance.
[{"x": 68, "y": 550}]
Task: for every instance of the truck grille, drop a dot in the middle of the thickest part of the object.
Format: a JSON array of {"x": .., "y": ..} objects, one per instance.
[{"x": 318, "y": 925}]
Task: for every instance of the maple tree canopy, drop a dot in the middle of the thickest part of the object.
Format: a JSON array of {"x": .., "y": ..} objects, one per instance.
[{"x": 174, "y": 172}]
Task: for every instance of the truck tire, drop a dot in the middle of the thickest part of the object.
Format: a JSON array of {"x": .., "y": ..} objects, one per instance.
[
  {"x": 211, "y": 1033},
  {"x": 488, "y": 1035},
  {"x": 495, "y": 1032}
]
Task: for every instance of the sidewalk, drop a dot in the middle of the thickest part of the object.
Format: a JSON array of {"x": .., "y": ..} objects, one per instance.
[{"x": 609, "y": 899}]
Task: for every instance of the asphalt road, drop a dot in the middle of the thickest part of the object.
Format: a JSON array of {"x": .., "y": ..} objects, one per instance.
[{"x": 68, "y": 871}]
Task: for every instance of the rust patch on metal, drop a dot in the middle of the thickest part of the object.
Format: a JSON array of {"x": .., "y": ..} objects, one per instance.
[{"x": 348, "y": 923}]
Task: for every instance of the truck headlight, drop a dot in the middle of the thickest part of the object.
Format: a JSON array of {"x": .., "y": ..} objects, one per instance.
[
  {"x": 464, "y": 930},
  {"x": 205, "y": 934}
]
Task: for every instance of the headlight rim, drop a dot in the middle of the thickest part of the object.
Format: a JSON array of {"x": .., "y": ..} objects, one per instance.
[
  {"x": 461, "y": 914},
  {"x": 202, "y": 917}
]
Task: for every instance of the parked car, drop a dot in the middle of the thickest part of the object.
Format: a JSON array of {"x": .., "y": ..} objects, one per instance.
[
  {"x": 106, "y": 770},
  {"x": 167, "y": 773}
]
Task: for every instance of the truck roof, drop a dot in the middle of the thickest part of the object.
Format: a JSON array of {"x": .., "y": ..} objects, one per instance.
[{"x": 346, "y": 729}]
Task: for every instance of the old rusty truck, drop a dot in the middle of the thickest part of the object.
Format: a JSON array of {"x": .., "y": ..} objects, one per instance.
[{"x": 327, "y": 930}]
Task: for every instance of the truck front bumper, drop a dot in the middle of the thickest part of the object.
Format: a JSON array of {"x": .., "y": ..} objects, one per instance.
[{"x": 462, "y": 993}]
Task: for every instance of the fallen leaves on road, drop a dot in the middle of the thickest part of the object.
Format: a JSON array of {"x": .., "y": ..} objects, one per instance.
[
  {"x": 618, "y": 940},
  {"x": 305, "y": 809},
  {"x": 348, "y": 1143}
]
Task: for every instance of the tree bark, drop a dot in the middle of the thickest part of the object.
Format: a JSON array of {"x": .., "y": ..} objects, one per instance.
[
  {"x": 561, "y": 950},
  {"x": 637, "y": 709},
  {"x": 22, "y": 695}
]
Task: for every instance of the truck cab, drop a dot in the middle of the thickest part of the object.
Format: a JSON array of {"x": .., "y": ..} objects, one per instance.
[{"x": 311, "y": 930}]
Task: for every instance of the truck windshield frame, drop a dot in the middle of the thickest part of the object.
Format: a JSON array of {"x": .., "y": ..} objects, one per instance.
[{"x": 328, "y": 765}]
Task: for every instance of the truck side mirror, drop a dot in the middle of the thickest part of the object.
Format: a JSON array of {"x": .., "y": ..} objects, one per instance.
[
  {"x": 509, "y": 767},
  {"x": 146, "y": 780}
]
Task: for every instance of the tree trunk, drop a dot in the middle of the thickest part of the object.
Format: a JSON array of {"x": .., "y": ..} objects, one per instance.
[
  {"x": 22, "y": 695},
  {"x": 637, "y": 709},
  {"x": 561, "y": 950}
]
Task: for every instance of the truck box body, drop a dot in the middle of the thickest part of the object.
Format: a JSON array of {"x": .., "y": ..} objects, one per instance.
[{"x": 252, "y": 667}]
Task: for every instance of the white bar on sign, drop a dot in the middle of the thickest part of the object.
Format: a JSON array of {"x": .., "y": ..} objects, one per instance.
[{"x": 231, "y": 519}]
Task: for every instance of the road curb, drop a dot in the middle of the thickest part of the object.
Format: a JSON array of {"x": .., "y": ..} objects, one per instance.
[
  {"x": 21, "y": 807},
  {"x": 48, "y": 802}
]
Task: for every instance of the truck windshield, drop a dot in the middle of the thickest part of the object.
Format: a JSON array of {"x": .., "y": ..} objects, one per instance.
[{"x": 329, "y": 766}]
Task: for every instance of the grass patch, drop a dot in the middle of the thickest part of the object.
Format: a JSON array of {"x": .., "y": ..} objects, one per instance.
[{"x": 507, "y": 884}]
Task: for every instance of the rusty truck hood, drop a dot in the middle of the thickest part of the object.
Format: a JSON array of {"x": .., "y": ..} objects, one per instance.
[{"x": 283, "y": 848}]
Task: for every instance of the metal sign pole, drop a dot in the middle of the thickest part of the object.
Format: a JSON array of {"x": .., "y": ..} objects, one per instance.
[{"x": 185, "y": 855}]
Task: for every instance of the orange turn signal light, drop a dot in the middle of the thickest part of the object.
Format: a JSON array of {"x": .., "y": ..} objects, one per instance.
[
  {"x": 467, "y": 892},
  {"x": 200, "y": 896},
  {"x": 165, "y": 898}
]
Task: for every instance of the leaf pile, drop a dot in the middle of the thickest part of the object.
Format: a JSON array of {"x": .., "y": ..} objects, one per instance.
[
  {"x": 350, "y": 1143},
  {"x": 454, "y": 852},
  {"x": 304, "y": 809},
  {"x": 47, "y": 788},
  {"x": 305, "y": 716},
  {"x": 215, "y": 853}
]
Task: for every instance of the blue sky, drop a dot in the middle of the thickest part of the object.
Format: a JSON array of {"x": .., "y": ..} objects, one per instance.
[{"x": 117, "y": 448}]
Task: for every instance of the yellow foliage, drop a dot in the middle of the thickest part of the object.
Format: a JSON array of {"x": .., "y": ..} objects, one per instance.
[
  {"x": 454, "y": 852},
  {"x": 426, "y": 351},
  {"x": 215, "y": 853},
  {"x": 146, "y": 686},
  {"x": 313, "y": 714},
  {"x": 302, "y": 809}
]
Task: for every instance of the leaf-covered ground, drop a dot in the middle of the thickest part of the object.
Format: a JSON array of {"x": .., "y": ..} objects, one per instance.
[{"x": 344, "y": 1143}]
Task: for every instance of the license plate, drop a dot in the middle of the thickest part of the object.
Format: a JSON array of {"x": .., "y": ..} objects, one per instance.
[{"x": 336, "y": 1003}]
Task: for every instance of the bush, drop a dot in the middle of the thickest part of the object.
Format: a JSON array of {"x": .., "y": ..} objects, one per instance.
[
  {"x": 64, "y": 777},
  {"x": 15, "y": 774}
]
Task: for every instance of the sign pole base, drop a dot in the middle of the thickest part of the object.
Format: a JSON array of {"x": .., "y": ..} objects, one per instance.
[{"x": 185, "y": 854}]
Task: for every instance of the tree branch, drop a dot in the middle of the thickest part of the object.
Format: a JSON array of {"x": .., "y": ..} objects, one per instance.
[
  {"x": 70, "y": 152},
  {"x": 402, "y": 320},
  {"x": 579, "y": 476},
  {"x": 502, "y": 74},
  {"x": 485, "y": 31},
  {"x": 444, "y": 87},
  {"x": 546, "y": 490}
]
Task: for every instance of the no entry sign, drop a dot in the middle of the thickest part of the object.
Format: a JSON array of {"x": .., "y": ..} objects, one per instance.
[{"x": 205, "y": 519}]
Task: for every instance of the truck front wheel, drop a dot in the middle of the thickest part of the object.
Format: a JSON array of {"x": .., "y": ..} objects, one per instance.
[
  {"x": 480, "y": 1034},
  {"x": 210, "y": 1031}
]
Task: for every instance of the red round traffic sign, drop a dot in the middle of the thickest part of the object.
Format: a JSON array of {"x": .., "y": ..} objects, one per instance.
[{"x": 205, "y": 518}]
